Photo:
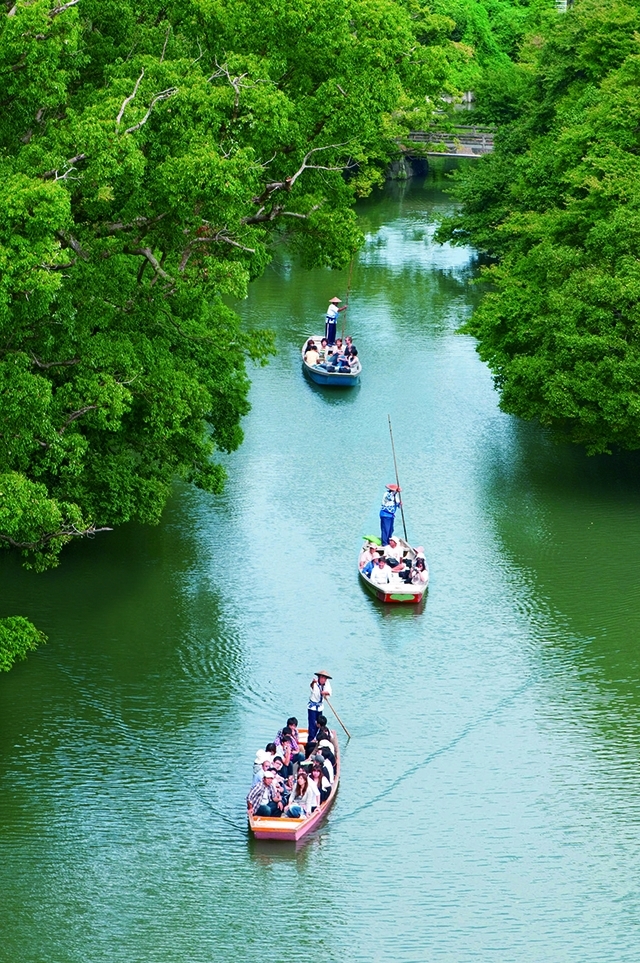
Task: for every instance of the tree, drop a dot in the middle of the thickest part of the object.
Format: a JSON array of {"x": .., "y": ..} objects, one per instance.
[
  {"x": 17, "y": 637},
  {"x": 558, "y": 208},
  {"x": 151, "y": 155}
]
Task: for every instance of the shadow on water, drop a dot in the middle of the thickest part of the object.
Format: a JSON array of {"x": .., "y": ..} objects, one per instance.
[
  {"x": 570, "y": 524},
  {"x": 401, "y": 611},
  {"x": 333, "y": 395},
  {"x": 268, "y": 853}
]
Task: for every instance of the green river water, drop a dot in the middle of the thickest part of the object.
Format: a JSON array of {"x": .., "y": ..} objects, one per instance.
[{"x": 489, "y": 806}]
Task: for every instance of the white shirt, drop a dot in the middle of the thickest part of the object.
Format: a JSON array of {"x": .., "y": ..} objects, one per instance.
[
  {"x": 329, "y": 766},
  {"x": 332, "y": 311},
  {"x": 380, "y": 576},
  {"x": 317, "y": 693},
  {"x": 391, "y": 552}
]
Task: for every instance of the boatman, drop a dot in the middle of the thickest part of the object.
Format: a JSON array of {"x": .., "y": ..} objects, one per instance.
[
  {"x": 320, "y": 687},
  {"x": 332, "y": 314},
  {"x": 390, "y": 504}
]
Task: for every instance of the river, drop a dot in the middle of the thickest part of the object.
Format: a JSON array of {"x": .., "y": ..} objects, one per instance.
[{"x": 488, "y": 807}]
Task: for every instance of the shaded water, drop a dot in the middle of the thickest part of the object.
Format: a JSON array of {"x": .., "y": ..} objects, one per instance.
[{"x": 488, "y": 808}]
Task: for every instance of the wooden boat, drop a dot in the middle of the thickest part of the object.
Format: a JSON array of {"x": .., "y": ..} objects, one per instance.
[
  {"x": 333, "y": 379},
  {"x": 291, "y": 830},
  {"x": 396, "y": 590}
]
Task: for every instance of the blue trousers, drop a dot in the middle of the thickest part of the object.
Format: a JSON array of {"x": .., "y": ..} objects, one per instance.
[
  {"x": 313, "y": 723},
  {"x": 386, "y": 527},
  {"x": 330, "y": 331},
  {"x": 271, "y": 809}
]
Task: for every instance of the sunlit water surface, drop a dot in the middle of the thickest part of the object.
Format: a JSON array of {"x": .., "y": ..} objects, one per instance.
[{"x": 489, "y": 803}]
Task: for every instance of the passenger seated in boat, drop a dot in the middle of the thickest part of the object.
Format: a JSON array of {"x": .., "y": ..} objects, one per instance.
[
  {"x": 264, "y": 754},
  {"x": 323, "y": 731},
  {"x": 371, "y": 564},
  {"x": 380, "y": 573},
  {"x": 304, "y": 798},
  {"x": 353, "y": 358},
  {"x": 331, "y": 360},
  {"x": 327, "y": 748},
  {"x": 316, "y": 777},
  {"x": 349, "y": 347},
  {"x": 393, "y": 549},
  {"x": 324, "y": 349},
  {"x": 367, "y": 554},
  {"x": 328, "y": 762},
  {"x": 321, "y": 780},
  {"x": 291, "y": 729},
  {"x": 265, "y": 798},
  {"x": 419, "y": 574},
  {"x": 264, "y": 766},
  {"x": 284, "y": 752},
  {"x": 311, "y": 355}
]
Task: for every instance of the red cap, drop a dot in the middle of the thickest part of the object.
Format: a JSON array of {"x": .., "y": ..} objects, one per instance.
[{"x": 394, "y": 488}]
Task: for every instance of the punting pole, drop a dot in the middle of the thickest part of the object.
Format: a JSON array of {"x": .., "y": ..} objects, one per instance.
[
  {"x": 395, "y": 465},
  {"x": 346, "y": 300},
  {"x": 337, "y": 716}
]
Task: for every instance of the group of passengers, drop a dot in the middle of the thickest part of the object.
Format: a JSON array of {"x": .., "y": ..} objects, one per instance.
[
  {"x": 341, "y": 356},
  {"x": 379, "y": 562},
  {"x": 290, "y": 778}
]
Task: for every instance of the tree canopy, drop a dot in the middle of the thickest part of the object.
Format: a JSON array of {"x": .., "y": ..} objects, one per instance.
[
  {"x": 151, "y": 155},
  {"x": 557, "y": 206}
]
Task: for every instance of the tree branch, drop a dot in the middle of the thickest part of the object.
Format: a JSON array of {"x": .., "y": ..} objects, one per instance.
[
  {"x": 68, "y": 165},
  {"x": 137, "y": 222},
  {"x": 153, "y": 261},
  {"x": 65, "y": 531},
  {"x": 163, "y": 95},
  {"x": 56, "y": 10},
  {"x": 127, "y": 100},
  {"x": 54, "y": 364},
  {"x": 75, "y": 415},
  {"x": 71, "y": 242}
]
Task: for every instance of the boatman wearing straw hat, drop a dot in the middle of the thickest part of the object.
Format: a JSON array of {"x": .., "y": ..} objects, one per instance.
[
  {"x": 332, "y": 314},
  {"x": 320, "y": 687},
  {"x": 390, "y": 504}
]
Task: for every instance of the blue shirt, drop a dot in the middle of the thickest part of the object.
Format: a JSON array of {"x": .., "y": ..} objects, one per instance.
[{"x": 390, "y": 503}]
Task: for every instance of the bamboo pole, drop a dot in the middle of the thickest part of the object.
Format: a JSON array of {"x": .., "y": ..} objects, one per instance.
[
  {"x": 346, "y": 300},
  {"x": 337, "y": 717},
  {"x": 395, "y": 465}
]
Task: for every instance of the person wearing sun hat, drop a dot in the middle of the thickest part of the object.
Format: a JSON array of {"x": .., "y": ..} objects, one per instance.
[
  {"x": 390, "y": 504},
  {"x": 332, "y": 314},
  {"x": 320, "y": 687}
]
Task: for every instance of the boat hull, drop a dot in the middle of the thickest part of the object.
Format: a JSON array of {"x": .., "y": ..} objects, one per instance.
[
  {"x": 288, "y": 830},
  {"x": 397, "y": 592},
  {"x": 329, "y": 379},
  {"x": 412, "y": 597}
]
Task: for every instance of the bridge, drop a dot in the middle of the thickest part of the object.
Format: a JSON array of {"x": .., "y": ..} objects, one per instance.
[{"x": 461, "y": 141}]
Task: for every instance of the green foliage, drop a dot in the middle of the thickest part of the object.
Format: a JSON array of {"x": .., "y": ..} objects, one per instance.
[
  {"x": 490, "y": 32},
  {"x": 558, "y": 207},
  {"x": 18, "y": 636},
  {"x": 151, "y": 156}
]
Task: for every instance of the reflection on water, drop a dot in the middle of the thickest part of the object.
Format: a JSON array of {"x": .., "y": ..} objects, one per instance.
[{"x": 489, "y": 791}]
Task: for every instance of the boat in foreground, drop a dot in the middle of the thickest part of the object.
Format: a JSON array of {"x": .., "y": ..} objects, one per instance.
[
  {"x": 291, "y": 830},
  {"x": 333, "y": 379},
  {"x": 397, "y": 590}
]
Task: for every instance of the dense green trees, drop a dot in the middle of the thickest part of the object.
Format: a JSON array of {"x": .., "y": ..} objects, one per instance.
[
  {"x": 558, "y": 207},
  {"x": 150, "y": 155}
]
